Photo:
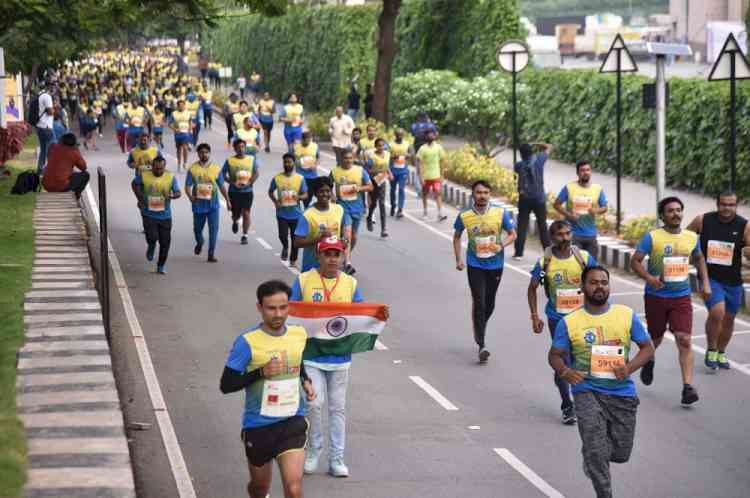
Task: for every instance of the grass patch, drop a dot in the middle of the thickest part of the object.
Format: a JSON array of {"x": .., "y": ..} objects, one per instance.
[{"x": 16, "y": 258}]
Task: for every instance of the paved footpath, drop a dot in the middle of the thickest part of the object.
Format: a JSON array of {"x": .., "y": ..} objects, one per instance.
[{"x": 66, "y": 393}]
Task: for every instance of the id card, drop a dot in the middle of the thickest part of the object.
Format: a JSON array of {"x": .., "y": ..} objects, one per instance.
[
  {"x": 204, "y": 191},
  {"x": 568, "y": 300},
  {"x": 289, "y": 198},
  {"x": 280, "y": 398},
  {"x": 348, "y": 192},
  {"x": 308, "y": 162},
  {"x": 582, "y": 204},
  {"x": 604, "y": 359},
  {"x": 399, "y": 162},
  {"x": 243, "y": 178},
  {"x": 676, "y": 268},
  {"x": 380, "y": 178},
  {"x": 156, "y": 203},
  {"x": 485, "y": 247},
  {"x": 720, "y": 253}
]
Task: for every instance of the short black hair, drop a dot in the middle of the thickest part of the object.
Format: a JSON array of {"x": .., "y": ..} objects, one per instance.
[
  {"x": 238, "y": 141},
  {"x": 726, "y": 193},
  {"x": 526, "y": 151},
  {"x": 589, "y": 269},
  {"x": 203, "y": 146},
  {"x": 668, "y": 200},
  {"x": 483, "y": 183},
  {"x": 582, "y": 162},
  {"x": 288, "y": 155},
  {"x": 244, "y": 102},
  {"x": 320, "y": 182},
  {"x": 357, "y": 129},
  {"x": 306, "y": 133},
  {"x": 271, "y": 288},
  {"x": 69, "y": 139},
  {"x": 379, "y": 140},
  {"x": 160, "y": 159},
  {"x": 556, "y": 225}
]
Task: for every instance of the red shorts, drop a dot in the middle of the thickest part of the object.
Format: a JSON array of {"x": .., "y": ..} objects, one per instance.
[
  {"x": 431, "y": 185},
  {"x": 677, "y": 312}
]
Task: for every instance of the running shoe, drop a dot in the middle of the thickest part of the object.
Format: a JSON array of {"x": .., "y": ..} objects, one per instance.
[
  {"x": 212, "y": 259},
  {"x": 383, "y": 234},
  {"x": 198, "y": 248},
  {"x": 647, "y": 373},
  {"x": 243, "y": 240},
  {"x": 442, "y": 217},
  {"x": 150, "y": 252},
  {"x": 337, "y": 468},
  {"x": 235, "y": 226},
  {"x": 370, "y": 225},
  {"x": 484, "y": 355},
  {"x": 284, "y": 254},
  {"x": 393, "y": 211},
  {"x": 518, "y": 258},
  {"x": 400, "y": 214},
  {"x": 711, "y": 360},
  {"x": 161, "y": 270},
  {"x": 689, "y": 395},
  {"x": 292, "y": 264},
  {"x": 311, "y": 460},
  {"x": 723, "y": 361},
  {"x": 569, "y": 416}
]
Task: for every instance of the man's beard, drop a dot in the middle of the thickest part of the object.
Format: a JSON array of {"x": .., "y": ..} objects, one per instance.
[{"x": 596, "y": 300}]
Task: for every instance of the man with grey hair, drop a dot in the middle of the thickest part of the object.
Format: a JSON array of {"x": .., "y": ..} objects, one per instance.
[{"x": 340, "y": 128}]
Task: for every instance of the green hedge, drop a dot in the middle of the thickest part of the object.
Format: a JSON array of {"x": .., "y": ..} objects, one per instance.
[
  {"x": 317, "y": 51},
  {"x": 575, "y": 110}
]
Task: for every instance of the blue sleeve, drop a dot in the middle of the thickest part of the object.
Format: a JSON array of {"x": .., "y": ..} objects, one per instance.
[
  {"x": 541, "y": 158},
  {"x": 220, "y": 179},
  {"x": 317, "y": 153},
  {"x": 365, "y": 177},
  {"x": 296, "y": 291},
  {"x": 303, "y": 228},
  {"x": 602, "y": 199},
  {"x": 591, "y": 261},
  {"x": 130, "y": 158},
  {"x": 369, "y": 164},
  {"x": 272, "y": 186},
  {"x": 175, "y": 185},
  {"x": 645, "y": 244},
  {"x": 638, "y": 332},
  {"x": 508, "y": 224},
  {"x": 303, "y": 187},
  {"x": 224, "y": 169},
  {"x": 536, "y": 273},
  {"x": 138, "y": 180},
  {"x": 257, "y": 164},
  {"x": 240, "y": 355},
  {"x": 357, "y": 297},
  {"x": 189, "y": 179},
  {"x": 561, "y": 340},
  {"x": 697, "y": 248},
  {"x": 346, "y": 220},
  {"x": 458, "y": 225},
  {"x": 563, "y": 195}
]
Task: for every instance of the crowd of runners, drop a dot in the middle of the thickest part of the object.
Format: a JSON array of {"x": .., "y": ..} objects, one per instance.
[{"x": 320, "y": 211}]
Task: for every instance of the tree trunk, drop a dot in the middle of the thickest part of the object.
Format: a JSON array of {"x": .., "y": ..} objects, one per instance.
[{"x": 386, "y": 54}]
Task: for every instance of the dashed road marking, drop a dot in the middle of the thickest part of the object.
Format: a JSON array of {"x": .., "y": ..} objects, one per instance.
[
  {"x": 529, "y": 474},
  {"x": 433, "y": 393}
]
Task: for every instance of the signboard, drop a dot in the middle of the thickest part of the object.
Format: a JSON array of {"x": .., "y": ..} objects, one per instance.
[
  {"x": 620, "y": 51},
  {"x": 12, "y": 99}
]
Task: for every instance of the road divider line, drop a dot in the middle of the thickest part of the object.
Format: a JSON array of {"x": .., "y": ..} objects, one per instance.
[
  {"x": 433, "y": 393},
  {"x": 380, "y": 346},
  {"x": 700, "y": 350},
  {"x": 263, "y": 242},
  {"x": 529, "y": 474},
  {"x": 736, "y": 332},
  {"x": 176, "y": 459}
]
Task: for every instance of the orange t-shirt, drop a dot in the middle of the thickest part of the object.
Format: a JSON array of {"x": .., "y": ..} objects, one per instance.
[{"x": 61, "y": 159}]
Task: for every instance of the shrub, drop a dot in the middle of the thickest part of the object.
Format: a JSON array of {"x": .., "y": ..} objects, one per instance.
[
  {"x": 426, "y": 91},
  {"x": 317, "y": 123},
  {"x": 465, "y": 166},
  {"x": 634, "y": 229}
]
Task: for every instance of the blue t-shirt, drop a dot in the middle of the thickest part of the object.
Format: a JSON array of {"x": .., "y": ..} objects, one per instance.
[
  {"x": 494, "y": 263},
  {"x": 288, "y": 212},
  {"x": 552, "y": 315},
  {"x": 329, "y": 358},
  {"x": 201, "y": 206},
  {"x": 309, "y": 261},
  {"x": 159, "y": 215},
  {"x": 638, "y": 334},
  {"x": 246, "y": 188},
  {"x": 355, "y": 209},
  {"x": 586, "y": 225},
  {"x": 531, "y": 177}
]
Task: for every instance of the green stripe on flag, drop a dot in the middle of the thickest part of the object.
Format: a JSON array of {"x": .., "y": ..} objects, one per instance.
[{"x": 359, "y": 342}]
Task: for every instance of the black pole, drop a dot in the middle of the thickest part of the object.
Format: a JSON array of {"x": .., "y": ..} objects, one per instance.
[
  {"x": 733, "y": 121},
  {"x": 619, "y": 140},
  {"x": 515, "y": 123}
]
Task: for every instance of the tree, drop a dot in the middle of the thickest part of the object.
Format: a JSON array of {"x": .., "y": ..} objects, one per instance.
[{"x": 387, "y": 48}]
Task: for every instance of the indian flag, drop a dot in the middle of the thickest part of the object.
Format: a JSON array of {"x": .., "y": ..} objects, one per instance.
[{"x": 338, "y": 328}]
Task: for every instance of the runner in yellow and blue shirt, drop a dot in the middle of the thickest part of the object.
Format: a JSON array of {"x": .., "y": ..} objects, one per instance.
[
  {"x": 241, "y": 171},
  {"x": 307, "y": 156},
  {"x": 484, "y": 224},
  {"x": 402, "y": 155},
  {"x": 293, "y": 117},
  {"x": 580, "y": 202},
  {"x": 286, "y": 191},
  {"x": 143, "y": 154}
]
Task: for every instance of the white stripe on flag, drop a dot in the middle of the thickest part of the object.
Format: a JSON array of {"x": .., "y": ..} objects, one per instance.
[{"x": 336, "y": 327}]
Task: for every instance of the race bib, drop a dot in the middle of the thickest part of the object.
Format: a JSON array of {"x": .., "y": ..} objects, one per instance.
[
  {"x": 156, "y": 203},
  {"x": 720, "y": 253},
  {"x": 136, "y": 121},
  {"x": 204, "y": 191},
  {"x": 348, "y": 192},
  {"x": 243, "y": 178},
  {"x": 676, "y": 268},
  {"x": 289, "y": 198},
  {"x": 183, "y": 127},
  {"x": 399, "y": 162},
  {"x": 380, "y": 178},
  {"x": 280, "y": 398},
  {"x": 582, "y": 204},
  {"x": 296, "y": 121},
  {"x": 568, "y": 300},
  {"x": 604, "y": 359},
  {"x": 308, "y": 162},
  {"x": 98, "y": 111},
  {"x": 486, "y": 247}
]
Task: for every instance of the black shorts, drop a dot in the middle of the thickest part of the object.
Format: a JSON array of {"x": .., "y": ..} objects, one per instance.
[
  {"x": 240, "y": 201},
  {"x": 263, "y": 444},
  {"x": 267, "y": 126}
]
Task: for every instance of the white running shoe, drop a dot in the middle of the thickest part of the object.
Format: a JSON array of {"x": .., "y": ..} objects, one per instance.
[
  {"x": 311, "y": 460},
  {"x": 337, "y": 468}
]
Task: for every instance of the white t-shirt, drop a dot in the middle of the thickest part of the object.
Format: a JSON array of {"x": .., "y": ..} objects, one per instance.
[
  {"x": 341, "y": 131},
  {"x": 45, "y": 119},
  {"x": 241, "y": 82}
]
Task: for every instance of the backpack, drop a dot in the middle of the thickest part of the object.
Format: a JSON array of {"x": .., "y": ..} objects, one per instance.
[
  {"x": 28, "y": 181},
  {"x": 548, "y": 259},
  {"x": 33, "y": 117}
]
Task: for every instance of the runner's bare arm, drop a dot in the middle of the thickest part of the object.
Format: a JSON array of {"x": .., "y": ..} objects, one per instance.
[
  {"x": 700, "y": 263},
  {"x": 696, "y": 225},
  {"x": 560, "y": 208},
  {"x": 557, "y": 362},
  {"x": 537, "y": 325},
  {"x": 512, "y": 235},
  {"x": 645, "y": 353},
  {"x": 746, "y": 249},
  {"x": 636, "y": 264},
  {"x": 457, "y": 250}
]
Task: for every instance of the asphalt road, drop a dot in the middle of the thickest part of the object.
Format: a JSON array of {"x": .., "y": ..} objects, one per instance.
[{"x": 504, "y": 437}]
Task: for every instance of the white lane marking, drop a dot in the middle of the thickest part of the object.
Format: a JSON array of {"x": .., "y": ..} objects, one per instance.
[
  {"x": 736, "y": 332},
  {"x": 263, "y": 242},
  {"x": 434, "y": 394},
  {"x": 745, "y": 369},
  {"x": 180, "y": 472},
  {"x": 529, "y": 474},
  {"x": 380, "y": 346}
]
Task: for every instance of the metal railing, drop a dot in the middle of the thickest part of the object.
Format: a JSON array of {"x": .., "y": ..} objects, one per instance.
[{"x": 103, "y": 251}]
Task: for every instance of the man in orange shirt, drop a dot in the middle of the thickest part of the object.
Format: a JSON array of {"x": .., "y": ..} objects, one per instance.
[{"x": 59, "y": 175}]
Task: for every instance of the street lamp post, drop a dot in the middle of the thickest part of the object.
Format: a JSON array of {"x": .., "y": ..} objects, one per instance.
[{"x": 513, "y": 57}]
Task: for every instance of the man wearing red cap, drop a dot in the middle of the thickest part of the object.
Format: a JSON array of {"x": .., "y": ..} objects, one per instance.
[{"x": 329, "y": 373}]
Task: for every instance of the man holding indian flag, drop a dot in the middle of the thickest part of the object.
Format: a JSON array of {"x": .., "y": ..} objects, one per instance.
[{"x": 321, "y": 301}]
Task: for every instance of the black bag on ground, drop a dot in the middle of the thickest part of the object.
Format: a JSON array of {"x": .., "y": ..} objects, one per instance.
[{"x": 28, "y": 181}]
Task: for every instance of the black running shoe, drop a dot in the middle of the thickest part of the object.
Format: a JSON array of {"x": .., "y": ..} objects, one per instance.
[
  {"x": 569, "y": 416},
  {"x": 235, "y": 226},
  {"x": 647, "y": 373},
  {"x": 484, "y": 355},
  {"x": 198, "y": 248},
  {"x": 689, "y": 395},
  {"x": 212, "y": 259},
  {"x": 243, "y": 240},
  {"x": 393, "y": 211},
  {"x": 370, "y": 225}
]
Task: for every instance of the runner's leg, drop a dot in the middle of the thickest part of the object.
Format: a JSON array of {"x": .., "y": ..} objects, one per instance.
[
  {"x": 291, "y": 466},
  {"x": 165, "y": 240},
  {"x": 562, "y": 387},
  {"x": 295, "y": 251},
  {"x": 284, "y": 230},
  {"x": 524, "y": 209},
  {"x": 596, "y": 449},
  {"x": 213, "y": 230},
  {"x": 199, "y": 221},
  {"x": 260, "y": 480},
  {"x": 478, "y": 287}
]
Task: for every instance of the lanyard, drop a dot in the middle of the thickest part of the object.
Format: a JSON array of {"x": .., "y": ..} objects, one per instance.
[{"x": 327, "y": 293}]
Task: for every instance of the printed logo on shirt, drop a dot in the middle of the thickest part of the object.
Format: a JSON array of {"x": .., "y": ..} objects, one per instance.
[
  {"x": 667, "y": 249},
  {"x": 590, "y": 336}
]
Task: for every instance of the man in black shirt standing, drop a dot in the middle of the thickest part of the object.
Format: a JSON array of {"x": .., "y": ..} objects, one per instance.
[{"x": 724, "y": 238}]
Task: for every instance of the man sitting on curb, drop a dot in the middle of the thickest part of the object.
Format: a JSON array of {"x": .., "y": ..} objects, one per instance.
[{"x": 59, "y": 175}]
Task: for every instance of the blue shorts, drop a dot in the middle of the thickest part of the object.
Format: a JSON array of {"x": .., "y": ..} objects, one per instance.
[
  {"x": 355, "y": 223},
  {"x": 729, "y": 294},
  {"x": 182, "y": 138},
  {"x": 292, "y": 134}
]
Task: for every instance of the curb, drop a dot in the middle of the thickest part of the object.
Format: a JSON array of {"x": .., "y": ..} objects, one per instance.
[{"x": 66, "y": 392}]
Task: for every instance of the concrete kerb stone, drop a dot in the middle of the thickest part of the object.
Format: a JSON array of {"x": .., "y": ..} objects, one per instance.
[{"x": 67, "y": 396}]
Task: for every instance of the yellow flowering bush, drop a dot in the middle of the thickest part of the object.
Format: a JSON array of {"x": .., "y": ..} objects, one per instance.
[
  {"x": 635, "y": 228},
  {"x": 464, "y": 166}
]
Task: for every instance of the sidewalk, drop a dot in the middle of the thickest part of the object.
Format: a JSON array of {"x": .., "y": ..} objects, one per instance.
[{"x": 637, "y": 198}]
